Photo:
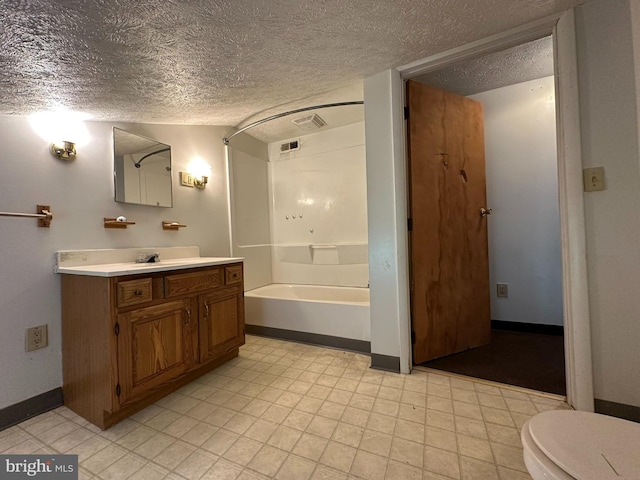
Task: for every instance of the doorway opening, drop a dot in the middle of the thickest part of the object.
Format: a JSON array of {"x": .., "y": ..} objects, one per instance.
[{"x": 519, "y": 338}]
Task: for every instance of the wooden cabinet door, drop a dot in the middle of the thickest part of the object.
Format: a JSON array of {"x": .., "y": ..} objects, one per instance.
[
  {"x": 155, "y": 345},
  {"x": 221, "y": 322}
]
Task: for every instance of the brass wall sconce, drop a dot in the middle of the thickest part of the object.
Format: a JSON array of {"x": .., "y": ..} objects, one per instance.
[
  {"x": 64, "y": 150},
  {"x": 200, "y": 182}
]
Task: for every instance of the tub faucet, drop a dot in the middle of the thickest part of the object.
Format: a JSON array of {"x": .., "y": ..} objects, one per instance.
[{"x": 148, "y": 258}]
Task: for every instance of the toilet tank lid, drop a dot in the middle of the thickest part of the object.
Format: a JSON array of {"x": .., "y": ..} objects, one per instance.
[{"x": 588, "y": 445}]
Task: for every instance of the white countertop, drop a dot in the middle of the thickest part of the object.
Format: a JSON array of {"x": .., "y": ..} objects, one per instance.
[{"x": 132, "y": 268}]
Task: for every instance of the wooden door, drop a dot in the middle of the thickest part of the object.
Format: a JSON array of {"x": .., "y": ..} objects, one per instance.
[
  {"x": 221, "y": 322},
  {"x": 155, "y": 345},
  {"x": 448, "y": 241}
]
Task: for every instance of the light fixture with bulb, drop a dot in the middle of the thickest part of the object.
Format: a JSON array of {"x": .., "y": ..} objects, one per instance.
[
  {"x": 199, "y": 171},
  {"x": 64, "y": 150}
]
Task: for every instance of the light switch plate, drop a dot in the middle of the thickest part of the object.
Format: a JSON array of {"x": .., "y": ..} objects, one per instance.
[
  {"x": 186, "y": 179},
  {"x": 593, "y": 179}
]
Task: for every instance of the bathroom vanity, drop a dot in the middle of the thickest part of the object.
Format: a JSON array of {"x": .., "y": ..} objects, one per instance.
[{"x": 132, "y": 333}]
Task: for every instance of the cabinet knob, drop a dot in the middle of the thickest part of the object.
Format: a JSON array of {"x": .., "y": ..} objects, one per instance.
[{"x": 137, "y": 293}]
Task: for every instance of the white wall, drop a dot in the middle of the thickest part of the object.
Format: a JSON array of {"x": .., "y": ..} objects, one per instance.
[
  {"x": 387, "y": 217},
  {"x": 250, "y": 212},
  {"x": 81, "y": 194},
  {"x": 522, "y": 190},
  {"x": 322, "y": 190},
  {"x": 608, "y": 70}
]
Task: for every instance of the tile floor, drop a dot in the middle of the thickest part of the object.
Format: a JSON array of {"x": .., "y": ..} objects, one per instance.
[{"x": 290, "y": 411}]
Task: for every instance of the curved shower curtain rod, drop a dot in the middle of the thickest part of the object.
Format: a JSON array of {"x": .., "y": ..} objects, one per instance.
[{"x": 225, "y": 140}]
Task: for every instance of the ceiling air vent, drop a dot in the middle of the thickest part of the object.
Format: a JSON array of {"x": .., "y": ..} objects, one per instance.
[
  {"x": 290, "y": 146},
  {"x": 310, "y": 122}
]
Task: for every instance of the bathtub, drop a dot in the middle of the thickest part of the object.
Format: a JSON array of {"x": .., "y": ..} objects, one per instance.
[{"x": 333, "y": 316}]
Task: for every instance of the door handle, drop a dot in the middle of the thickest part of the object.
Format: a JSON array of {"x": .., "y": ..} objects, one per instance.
[
  {"x": 187, "y": 320},
  {"x": 206, "y": 309},
  {"x": 485, "y": 211}
]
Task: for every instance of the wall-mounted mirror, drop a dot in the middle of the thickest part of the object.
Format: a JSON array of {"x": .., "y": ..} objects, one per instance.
[{"x": 142, "y": 170}]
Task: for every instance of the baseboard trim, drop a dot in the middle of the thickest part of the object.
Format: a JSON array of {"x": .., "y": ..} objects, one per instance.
[
  {"x": 385, "y": 362},
  {"x": 527, "y": 327},
  {"x": 620, "y": 410},
  {"x": 19, "y": 412},
  {"x": 359, "y": 346}
]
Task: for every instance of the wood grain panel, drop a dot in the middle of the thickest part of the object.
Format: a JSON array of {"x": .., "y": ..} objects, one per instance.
[
  {"x": 88, "y": 374},
  {"x": 221, "y": 322},
  {"x": 185, "y": 283},
  {"x": 233, "y": 274},
  {"x": 449, "y": 259},
  {"x": 134, "y": 292},
  {"x": 152, "y": 347}
]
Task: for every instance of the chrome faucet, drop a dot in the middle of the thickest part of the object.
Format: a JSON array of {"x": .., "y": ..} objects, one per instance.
[{"x": 148, "y": 258}]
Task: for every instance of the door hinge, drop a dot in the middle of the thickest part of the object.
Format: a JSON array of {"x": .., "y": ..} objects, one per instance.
[
  {"x": 410, "y": 224},
  {"x": 406, "y": 113},
  {"x": 117, "y": 329},
  {"x": 413, "y": 337},
  {"x": 118, "y": 390}
]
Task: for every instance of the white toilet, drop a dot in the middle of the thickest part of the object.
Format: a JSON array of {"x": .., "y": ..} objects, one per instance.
[{"x": 570, "y": 445}]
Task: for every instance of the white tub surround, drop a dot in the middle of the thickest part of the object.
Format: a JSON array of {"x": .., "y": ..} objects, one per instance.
[
  {"x": 331, "y": 316},
  {"x": 122, "y": 261}
]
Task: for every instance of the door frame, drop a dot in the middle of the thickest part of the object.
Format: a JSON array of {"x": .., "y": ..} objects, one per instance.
[{"x": 577, "y": 329}]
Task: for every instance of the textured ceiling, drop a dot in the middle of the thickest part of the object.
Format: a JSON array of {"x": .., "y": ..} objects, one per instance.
[
  {"x": 519, "y": 64},
  {"x": 224, "y": 62}
]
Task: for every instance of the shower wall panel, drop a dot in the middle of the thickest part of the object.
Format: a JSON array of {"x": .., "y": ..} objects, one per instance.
[{"x": 319, "y": 209}]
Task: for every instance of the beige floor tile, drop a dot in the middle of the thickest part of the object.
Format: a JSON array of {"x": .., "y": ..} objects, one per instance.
[
  {"x": 220, "y": 442},
  {"x": 409, "y": 431},
  {"x": 310, "y": 446},
  {"x": 471, "y": 469},
  {"x": 369, "y": 466},
  {"x": 510, "y": 457},
  {"x": 502, "y": 434},
  {"x": 412, "y": 413},
  {"x": 284, "y": 438},
  {"x": 475, "y": 447},
  {"x": 222, "y": 470},
  {"x": 174, "y": 455},
  {"x": 381, "y": 423},
  {"x": 322, "y": 427},
  {"x": 407, "y": 452},
  {"x": 441, "y": 462},
  {"x": 156, "y": 444},
  {"x": 283, "y": 410},
  {"x": 295, "y": 468},
  {"x": 509, "y": 474},
  {"x": 348, "y": 434},
  {"x": 331, "y": 410},
  {"x": 338, "y": 456},
  {"x": 267, "y": 461},
  {"x": 440, "y": 438},
  {"x": 398, "y": 471},
  {"x": 122, "y": 468},
  {"x": 497, "y": 416},
  {"x": 355, "y": 416},
  {"x": 376, "y": 442},
  {"x": 196, "y": 464},
  {"x": 325, "y": 473},
  {"x": 103, "y": 459},
  {"x": 242, "y": 451}
]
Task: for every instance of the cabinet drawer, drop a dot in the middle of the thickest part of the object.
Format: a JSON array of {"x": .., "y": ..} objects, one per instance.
[
  {"x": 134, "y": 292},
  {"x": 180, "y": 284},
  {"x": 233, "y": 274}
]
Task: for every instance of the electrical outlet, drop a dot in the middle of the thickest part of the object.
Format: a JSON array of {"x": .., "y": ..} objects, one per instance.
[
  {"x": 502, "y": 289},
  {"x": 593, "y": 179},
  {"x": 36, "y": 337}
]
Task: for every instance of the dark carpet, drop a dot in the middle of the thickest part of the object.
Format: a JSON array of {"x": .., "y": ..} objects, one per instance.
[{"x": 530, "y": 360}]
